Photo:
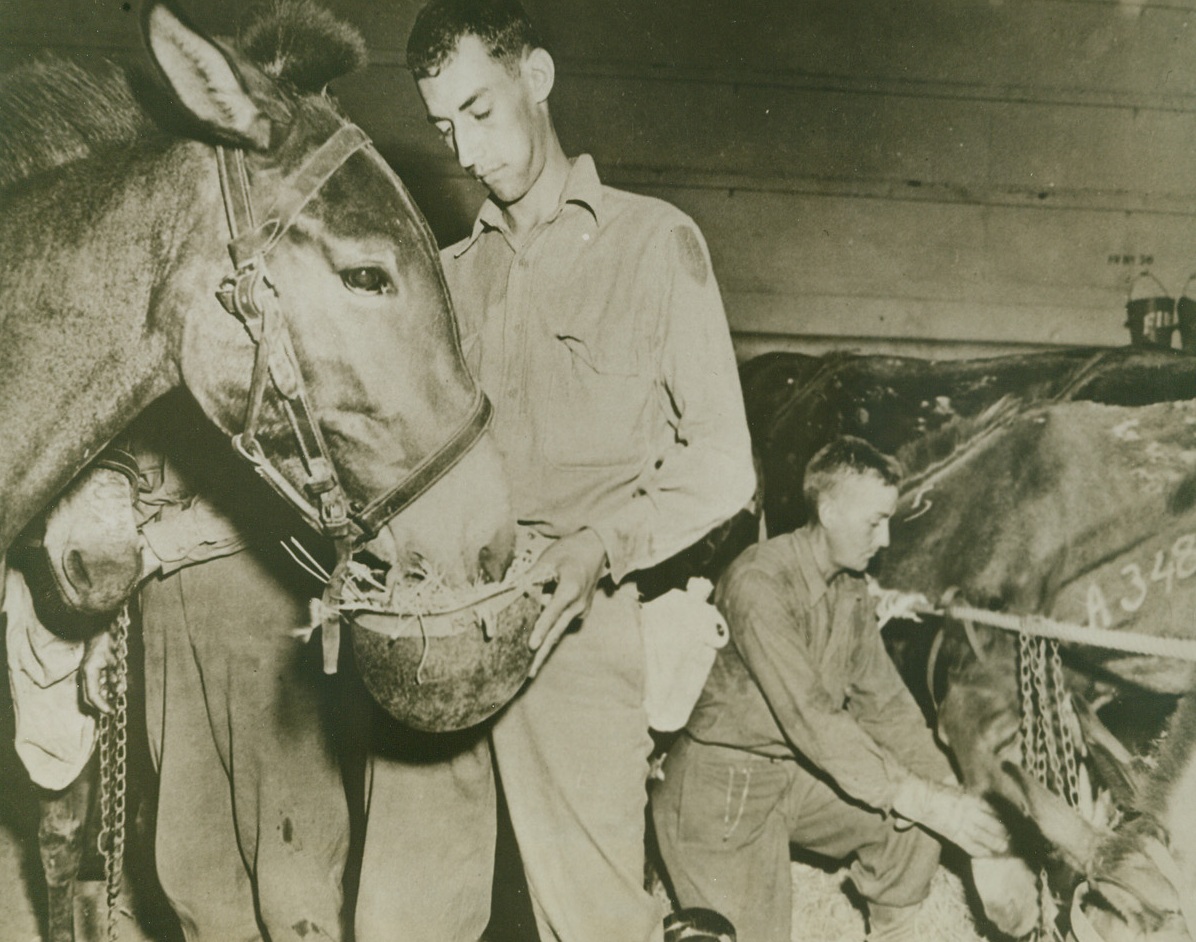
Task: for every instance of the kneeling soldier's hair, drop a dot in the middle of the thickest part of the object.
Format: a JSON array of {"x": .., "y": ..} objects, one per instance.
[{"x": 842, "y": 456}]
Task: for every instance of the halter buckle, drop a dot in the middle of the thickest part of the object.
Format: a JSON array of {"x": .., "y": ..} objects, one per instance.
[{"x": 241, "y": 295}]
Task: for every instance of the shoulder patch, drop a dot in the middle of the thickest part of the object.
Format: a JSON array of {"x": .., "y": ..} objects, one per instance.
[{"x": 692, "y": 256}]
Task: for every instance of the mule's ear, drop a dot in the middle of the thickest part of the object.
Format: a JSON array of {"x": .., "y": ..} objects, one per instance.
[{"x": 205, "y": 79}]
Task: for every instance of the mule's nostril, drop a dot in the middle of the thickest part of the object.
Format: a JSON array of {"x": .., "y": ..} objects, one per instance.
[
  {"x": 486, "y": 562},
  {"x": 76, "y": 570},
  {"x": 495, "y": 557},
  {"x": 492, "y": 567}
]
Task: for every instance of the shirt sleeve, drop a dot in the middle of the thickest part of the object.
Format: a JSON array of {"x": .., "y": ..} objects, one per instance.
[
  {"x": 192, "y": 533},
  {"x": 883, "y": 705},
  {"x": 705, "y": 475},
  {"x": 770, "y": 633}
]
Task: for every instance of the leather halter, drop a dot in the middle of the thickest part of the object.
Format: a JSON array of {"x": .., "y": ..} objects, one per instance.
[{"x": 251, "y": 296}]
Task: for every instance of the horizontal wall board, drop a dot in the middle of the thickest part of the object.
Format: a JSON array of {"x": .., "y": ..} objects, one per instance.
[
  {"x": 926, "y": 321},
  {"x": 748, "y": 344},
  {"x": 882, "y": 246},
  {"x": 1106, "y": 53},
  {"x": 1013, "y": 48},
  {"x": 1086, "y": 158}
]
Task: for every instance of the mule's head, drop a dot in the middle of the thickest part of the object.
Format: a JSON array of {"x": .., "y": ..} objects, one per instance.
[{"x": 342, "y": 306}]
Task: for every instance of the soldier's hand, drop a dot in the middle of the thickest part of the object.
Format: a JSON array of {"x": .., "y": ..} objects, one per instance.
[
  {"x": 894, "y": 605},
  {"x": 965, "y": 820},
  {"x": 99, "y": 660},
  {"x": 575, "y": 563}
]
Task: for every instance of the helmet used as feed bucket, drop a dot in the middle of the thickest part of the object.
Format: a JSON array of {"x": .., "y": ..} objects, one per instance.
[
  {"x": 442, "y": 673},
  {"x": 438, "y": 659}
]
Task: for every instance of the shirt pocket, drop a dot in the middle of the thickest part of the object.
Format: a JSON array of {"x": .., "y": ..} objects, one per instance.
[{"x": 598, "y": 405}]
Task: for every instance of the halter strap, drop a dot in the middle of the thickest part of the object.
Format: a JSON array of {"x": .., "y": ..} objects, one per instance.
[
  {"x": 427, "y": 472},
  {"x": 251, "y": 296},
  {"x": 251, "y": 240}
]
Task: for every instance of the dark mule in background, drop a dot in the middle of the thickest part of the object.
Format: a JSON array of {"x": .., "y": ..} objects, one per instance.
[
  {"x": 797, "y": 403},
  {"x": 1140, "y": 879}
]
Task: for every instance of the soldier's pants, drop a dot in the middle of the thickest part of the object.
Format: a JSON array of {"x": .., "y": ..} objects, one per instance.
[
  {"x": 252, "y": 823},
  {"x": 725, "y": 819}
]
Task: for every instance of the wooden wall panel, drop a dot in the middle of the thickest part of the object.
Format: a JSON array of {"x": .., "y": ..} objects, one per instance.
[{"x": 943, "y": 175}]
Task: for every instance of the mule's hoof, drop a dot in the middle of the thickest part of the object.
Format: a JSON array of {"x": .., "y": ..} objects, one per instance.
[{"x": 698, "y": 925}]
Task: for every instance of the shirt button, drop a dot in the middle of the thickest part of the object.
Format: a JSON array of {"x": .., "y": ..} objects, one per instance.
[{"x": 523, "y": 263}]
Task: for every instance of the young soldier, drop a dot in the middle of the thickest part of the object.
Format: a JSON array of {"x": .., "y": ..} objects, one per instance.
[
  {"x": 592, "y": 319},
  {"x": 805, "y": 732}
]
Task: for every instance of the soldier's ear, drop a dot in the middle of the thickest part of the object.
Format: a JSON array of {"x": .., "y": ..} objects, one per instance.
[
  {"x": 825, "y": 510},
  {"x": 539, "y": 71}
]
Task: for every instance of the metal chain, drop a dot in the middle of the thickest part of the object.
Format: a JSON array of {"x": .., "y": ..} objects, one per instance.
[
  {"x": 1026, "y": 698},
  {"x": 1048, "y": 744},
  {"x": 1065, "y": 717},
  {"x": 114, "y": 736},
  {"x": 1026, "y": 736}
]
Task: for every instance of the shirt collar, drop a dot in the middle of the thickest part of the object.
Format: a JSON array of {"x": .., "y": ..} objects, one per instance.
[
  {"x": 582, "y": 187},
  {"x": 807, "y": 565}
]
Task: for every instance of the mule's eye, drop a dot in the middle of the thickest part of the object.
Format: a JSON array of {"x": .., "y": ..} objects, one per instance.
[{"x": 366, "y": 280}]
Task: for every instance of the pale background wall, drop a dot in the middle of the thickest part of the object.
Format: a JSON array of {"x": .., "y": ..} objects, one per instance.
[{"x": 946, "y": 177}]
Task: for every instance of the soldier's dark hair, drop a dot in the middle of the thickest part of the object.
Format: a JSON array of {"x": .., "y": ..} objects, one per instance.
[
  {"x": 845, "y": 455},
  {"x": 502, "y": 26}
]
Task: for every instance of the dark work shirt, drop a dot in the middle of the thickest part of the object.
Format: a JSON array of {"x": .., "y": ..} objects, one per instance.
[{"x": 807, "y": 672}]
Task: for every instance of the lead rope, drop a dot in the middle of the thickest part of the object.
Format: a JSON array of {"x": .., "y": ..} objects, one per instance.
[
  {"x": 1048, "y": 744},
  {"x": 114, "y": 728}
]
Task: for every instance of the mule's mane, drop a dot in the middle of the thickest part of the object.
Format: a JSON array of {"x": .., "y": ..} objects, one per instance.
[
  {"x": 922, "y": 456},
  {"x": 53, "y": 112}
]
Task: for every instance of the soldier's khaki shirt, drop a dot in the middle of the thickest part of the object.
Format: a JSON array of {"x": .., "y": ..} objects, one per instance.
[{"x": 603, "y": 344}]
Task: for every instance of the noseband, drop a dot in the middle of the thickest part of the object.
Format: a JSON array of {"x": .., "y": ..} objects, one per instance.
[{"x": 251, "y": 296}]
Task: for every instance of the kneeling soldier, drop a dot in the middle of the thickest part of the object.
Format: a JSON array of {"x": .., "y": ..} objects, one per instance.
[{"x": 805, "y": 732}]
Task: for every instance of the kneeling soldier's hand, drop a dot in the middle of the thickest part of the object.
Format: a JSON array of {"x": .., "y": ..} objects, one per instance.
[{"x": 950, "y": 812}]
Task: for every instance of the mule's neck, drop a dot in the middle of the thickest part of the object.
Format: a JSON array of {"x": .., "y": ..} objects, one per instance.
[{"x": 89, "y": 253}]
